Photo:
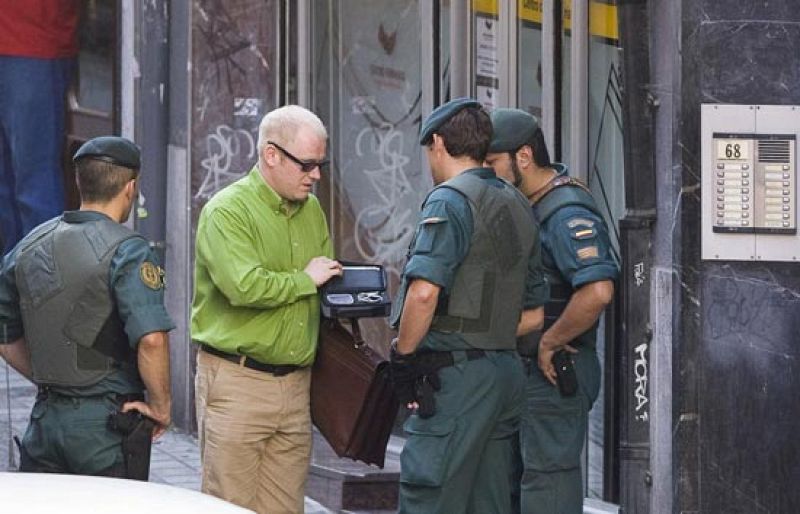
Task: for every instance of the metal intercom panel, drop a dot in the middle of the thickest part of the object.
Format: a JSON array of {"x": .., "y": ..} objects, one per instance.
[{"x": 749, "y": 182}]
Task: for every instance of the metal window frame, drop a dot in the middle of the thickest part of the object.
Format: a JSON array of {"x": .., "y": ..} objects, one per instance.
[
  {"x": 461, "y": 41},
  {"x": 579, "y": 90},
  {"x": 303, "y": 42},
  {"x": 549, "y": 110}
]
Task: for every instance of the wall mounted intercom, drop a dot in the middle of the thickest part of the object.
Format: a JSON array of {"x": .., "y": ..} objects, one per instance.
[{"x": 749, "y": 182}]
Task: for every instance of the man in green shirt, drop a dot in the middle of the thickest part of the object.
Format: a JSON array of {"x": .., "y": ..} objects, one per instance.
[{"x": 262, "y": 250}]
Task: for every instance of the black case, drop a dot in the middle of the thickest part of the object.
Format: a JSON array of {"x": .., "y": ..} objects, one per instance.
[{"x": 359, "y": 293}]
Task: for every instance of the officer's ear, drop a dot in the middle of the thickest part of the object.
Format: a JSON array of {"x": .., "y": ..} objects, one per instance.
[
  {"x": 437, "y": 143},
  {"x": 131, "y": 188},
  {"x": 524, "y": 156}
]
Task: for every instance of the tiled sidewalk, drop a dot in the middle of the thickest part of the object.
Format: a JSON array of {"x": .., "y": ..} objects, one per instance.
[{"x": 175, "y": 459}]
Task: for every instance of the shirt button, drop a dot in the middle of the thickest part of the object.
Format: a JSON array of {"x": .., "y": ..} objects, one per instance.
[
  {"x": 301, "y": 324},
  {"x": 295, "y": 244}
]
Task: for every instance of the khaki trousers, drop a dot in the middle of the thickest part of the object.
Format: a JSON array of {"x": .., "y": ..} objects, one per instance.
[{"x": 255, "y": 434}]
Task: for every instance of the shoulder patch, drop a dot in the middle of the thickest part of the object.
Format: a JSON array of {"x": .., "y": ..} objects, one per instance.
[
  {"x": 576, "y": 222},
  {"x": 583, "y": 233},
  {"x": 587, "y": 252},
  {"x": 151, "y": 275}
]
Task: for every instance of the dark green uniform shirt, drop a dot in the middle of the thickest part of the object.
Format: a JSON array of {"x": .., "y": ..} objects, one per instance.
[
  {"x": 442, "y": 242},
  {"x": 576, "y": 244},
  {"x": 140, "y": 306}
]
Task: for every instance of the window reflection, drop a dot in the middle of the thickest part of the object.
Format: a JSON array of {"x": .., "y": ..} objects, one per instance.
[
  {"x": 529, "y": 58},
  {"x": 485, "y": 52},
  {"x": 95, "y": 77}
]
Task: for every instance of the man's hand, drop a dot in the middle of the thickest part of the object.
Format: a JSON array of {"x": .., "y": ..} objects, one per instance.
[
  {"x": 161, "y": 415},
  {"x": 322, "y": 269},
  {"x": 404, "y": 376},
  {"x": 546, "y": 352}
]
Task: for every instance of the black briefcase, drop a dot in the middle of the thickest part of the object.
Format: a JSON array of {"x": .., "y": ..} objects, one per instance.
[
  {"x": 352, "y": 400},
  {"x": 360, "y": 292}
]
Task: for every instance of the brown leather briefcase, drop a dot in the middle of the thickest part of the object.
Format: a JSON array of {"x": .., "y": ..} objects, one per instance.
[{"x": 352, "y": 401}]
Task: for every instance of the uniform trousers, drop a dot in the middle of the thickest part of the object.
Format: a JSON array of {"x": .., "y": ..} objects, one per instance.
[
  {"x": 69, "y": 434},
  {"x": 459, "y": 460},
  {"x": 255, "y": 434},
  {"x": 552, "y": 434},
  {"x": 32, "y": 113}
]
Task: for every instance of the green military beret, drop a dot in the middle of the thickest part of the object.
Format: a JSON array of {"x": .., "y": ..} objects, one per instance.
[
  {"x": 113, "y": 149},
  {"x": 512, "y": 129},
  {"x": 440, "y": 115}
]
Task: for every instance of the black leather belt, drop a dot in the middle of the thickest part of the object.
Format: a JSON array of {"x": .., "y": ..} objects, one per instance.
[
  {"x": 278, "y": 370},
  {"x": 45, "y": 390}
]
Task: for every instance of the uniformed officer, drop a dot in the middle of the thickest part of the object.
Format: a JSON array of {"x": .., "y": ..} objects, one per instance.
[
  {"x": 82, "y": 316},
  {"x": 576, "y": 252},
  {"x": 473, "y": 283}
]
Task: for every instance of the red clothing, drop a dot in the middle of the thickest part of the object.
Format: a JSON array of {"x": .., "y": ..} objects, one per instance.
[{"x": 39, "y": 28}]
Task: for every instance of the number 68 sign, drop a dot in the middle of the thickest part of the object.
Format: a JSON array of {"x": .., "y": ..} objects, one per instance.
[{"x": 733, "y": 149}]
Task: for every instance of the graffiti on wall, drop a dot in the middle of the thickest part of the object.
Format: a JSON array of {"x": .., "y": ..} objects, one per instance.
[
  {"x": 223, "y": 147},
  {"x": 383, "y": 227}
]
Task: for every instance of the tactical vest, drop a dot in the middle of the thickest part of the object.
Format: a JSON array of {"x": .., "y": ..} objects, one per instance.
[
  {"x": 485, "y": 301},
  {"x": 561, "y": 192},
  {"x": 72, "y": 328}
]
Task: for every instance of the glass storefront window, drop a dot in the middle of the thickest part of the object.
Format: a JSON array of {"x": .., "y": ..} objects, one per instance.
[
  {"x": 235, "y": 76},
  {"x": 485, "y": 52},
  {"x": 367, "y": 87},
  {"x": 97, "y": 40},
  {"x": 529, "y": 57}
]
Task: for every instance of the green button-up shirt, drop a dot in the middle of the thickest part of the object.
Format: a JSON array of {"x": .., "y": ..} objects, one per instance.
[{"x": 252, "y": 296}]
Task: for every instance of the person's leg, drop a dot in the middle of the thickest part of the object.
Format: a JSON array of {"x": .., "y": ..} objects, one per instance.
[
  {"x": 553, "y": 431},
  {"x": 36, "y": 137},
  {"x": 37, "y": 450},
  {"x": 88, "y": 446},
  {"x": 240, "y": 411},
  {"x": 496, "y": 480},
  {"x": 442, "y": 456},
  {"x": 284, "y": 469}
]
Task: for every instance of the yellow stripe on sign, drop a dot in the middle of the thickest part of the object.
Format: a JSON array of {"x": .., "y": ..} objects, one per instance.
[
  {"x": 530, "y": 10},
  {"x": 486, "y": 7},
  {"x": 603, "y": 20},
  {"x": 602, "y": 16}
]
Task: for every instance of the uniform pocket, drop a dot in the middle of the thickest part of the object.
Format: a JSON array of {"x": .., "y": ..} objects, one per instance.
[
  {"x": 425, "y": 455},
  {"x": 470, "y": 282},
  {"x": 553, "y": 434}
]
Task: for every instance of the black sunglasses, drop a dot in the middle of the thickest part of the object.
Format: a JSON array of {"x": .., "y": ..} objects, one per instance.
[{"x": 305, "y": 166}]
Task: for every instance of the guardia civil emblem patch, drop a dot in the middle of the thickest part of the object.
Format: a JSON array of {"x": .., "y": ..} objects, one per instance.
[{"x": 152, "y": 276}]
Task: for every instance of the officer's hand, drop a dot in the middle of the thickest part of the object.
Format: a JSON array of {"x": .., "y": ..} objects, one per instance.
[
  {"x": 545, "y": 360},
  {"x": 404, "y": 376},
  {"x": 162, "y": 419},
  {"x": 322, "y": 269}
]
